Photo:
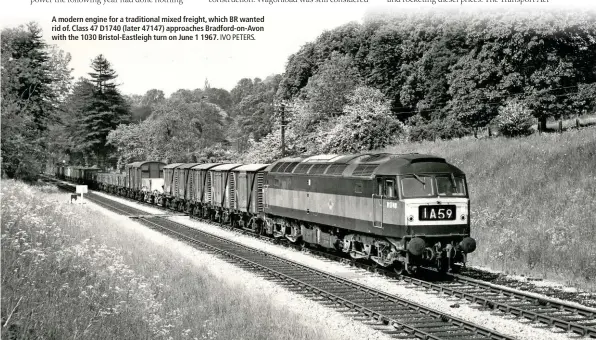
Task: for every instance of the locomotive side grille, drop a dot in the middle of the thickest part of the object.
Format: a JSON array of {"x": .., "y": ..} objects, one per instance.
[
  {"x": 302, "y": 168},
  {"x": 336, "y": 169},
  {"x": 259, "y": 190},
  {"x": 364, "y": 169}
]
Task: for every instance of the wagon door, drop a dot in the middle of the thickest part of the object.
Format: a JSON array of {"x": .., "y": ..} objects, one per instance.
[
  {"x": 230, "y": 199},
  {"x": 377, "y": 200},
  {"x": 243, "y": 191}
]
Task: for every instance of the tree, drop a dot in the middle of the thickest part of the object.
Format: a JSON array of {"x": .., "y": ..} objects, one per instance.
[
  {"x": 105, "y": 110},
  {"x": 75, "y": 109},
  {"x": 141, "y": 107},
  {"x": 34, "y": 78},
  {"x": 253, "y": 110},
  {"x": 177, "y": 131},
  {"x": 367, "y": 124},
  {"x": 328, "y": 89}
]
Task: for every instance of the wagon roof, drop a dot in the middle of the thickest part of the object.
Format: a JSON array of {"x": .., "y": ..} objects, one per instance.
[
  {"x": 173, "y": 165},
  {"x": 138, "y": 164},
  {"x": 187, "y": 165},
  {"x": 205, "y": 166},
  {"x": 251, "y": 167},
  {"x": 225, "y": 167}
]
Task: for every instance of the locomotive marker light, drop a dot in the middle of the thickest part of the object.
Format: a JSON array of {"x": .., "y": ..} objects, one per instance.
[{"x": 81, "y": 189}]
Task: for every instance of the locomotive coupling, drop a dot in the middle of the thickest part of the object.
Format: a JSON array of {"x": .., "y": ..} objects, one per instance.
[
  {"x": 467, "y": 245},
  {"x": 416, "y": 246}
]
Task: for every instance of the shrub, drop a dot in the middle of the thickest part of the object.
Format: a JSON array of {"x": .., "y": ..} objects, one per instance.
[
  {"x": 367, "y": 124},
  {"x": 446, "y": 128},
  {"x": 514, "y": 120}
]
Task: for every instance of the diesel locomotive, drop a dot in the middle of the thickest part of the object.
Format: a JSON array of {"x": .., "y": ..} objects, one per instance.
[{"x": 401, "y": 211}]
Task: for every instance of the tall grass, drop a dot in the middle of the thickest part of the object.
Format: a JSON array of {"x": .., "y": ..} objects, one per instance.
[
  {"x": 533, "y": 201},
  {"x": 70, "y": 272}
]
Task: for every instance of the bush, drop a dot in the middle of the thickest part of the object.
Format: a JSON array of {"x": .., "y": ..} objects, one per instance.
[
  {"x": 445, "y": 128},
  {"x": 367, "y": 124},
  {"x": 514, "y": 120}
]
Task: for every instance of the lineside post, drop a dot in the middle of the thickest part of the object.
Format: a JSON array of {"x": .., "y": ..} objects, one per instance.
[{"x": 81, "y": 189}]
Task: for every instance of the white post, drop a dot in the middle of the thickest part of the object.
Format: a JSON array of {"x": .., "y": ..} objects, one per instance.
[{"x": 81, "y": 189}]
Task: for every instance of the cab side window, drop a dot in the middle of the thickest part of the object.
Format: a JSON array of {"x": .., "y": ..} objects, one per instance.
[{"x": 390, "y": 189}]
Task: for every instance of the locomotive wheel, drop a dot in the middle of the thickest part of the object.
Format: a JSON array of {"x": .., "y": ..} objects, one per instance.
[
  {"x": 443, "y": 265},
  {"x": 399, "y": 269},
  {"x": 403, "y": 269}
]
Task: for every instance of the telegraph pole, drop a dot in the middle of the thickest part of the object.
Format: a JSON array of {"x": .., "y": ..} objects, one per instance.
[{"x": 283, "y": 129}]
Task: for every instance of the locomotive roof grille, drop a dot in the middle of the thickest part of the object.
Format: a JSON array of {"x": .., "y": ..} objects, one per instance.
[
  {"x": 277, "y": 166},
  {"x": 375, "y": 157},
  {"x": 318, "y": 169},
  {"x": 291, "y": 166},
  {"x": 336, "y": 169},
  {"x": 302, "y": 168},
  {"x": 364, "y": 170},
  {"x": 283, "y": 166}
]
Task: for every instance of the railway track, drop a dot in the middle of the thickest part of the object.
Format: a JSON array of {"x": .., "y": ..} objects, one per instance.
[{"x": 569, "y": 317}]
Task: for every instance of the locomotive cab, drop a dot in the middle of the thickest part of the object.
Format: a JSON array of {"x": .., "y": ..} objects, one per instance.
[
  {"x": 436, "y": 213},
  {"x": 426, "y": 200}
]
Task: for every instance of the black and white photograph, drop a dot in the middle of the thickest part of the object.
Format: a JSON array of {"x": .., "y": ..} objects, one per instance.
[{"x": 298, "y": 169}]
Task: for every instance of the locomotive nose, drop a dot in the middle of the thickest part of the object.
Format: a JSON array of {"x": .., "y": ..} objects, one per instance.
[{"x": 467, "y": 245}]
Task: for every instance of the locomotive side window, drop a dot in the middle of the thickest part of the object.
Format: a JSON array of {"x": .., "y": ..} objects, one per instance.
[
  {"x": 417, "y": 186},
  {"x": 380, "y": 187},
  {"x": 390, "y": 189},
  {"x": 450, "y": 186}
]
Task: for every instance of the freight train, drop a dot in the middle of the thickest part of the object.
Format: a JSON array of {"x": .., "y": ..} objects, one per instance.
[{"x": 401, "y": 211}]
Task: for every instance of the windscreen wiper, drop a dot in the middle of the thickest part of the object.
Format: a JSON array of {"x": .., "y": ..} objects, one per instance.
[{"x": 419, "y": 179}]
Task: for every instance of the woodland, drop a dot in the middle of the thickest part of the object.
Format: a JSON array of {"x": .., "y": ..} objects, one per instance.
[{"x": 390, "y": 80}]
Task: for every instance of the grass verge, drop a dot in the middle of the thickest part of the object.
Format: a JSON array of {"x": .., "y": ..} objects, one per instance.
[
  {"x": 69, "y": 271},
  {"x": 533, "y": 202}
]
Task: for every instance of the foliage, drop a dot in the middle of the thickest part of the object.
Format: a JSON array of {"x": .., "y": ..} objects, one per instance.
[
  {"x": 328, "y": 89},
  {"x": 268, "y": 149},
  {"x": 35, "y": 77},
  {"x": 532, "y": 201},
  {"x": 254, "y": 107},
  {"x": 436, "y": 129},
  {"x": 514, "y": 120},
  {"x": 142, "y": 106},
  {"x": 461, "y": 67},
  {"x": 367, "y": 124},
  {"x": 102, "y": 112},
  {"x": 73, "y": 271},
  {"x": 177, "y": 131}
]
